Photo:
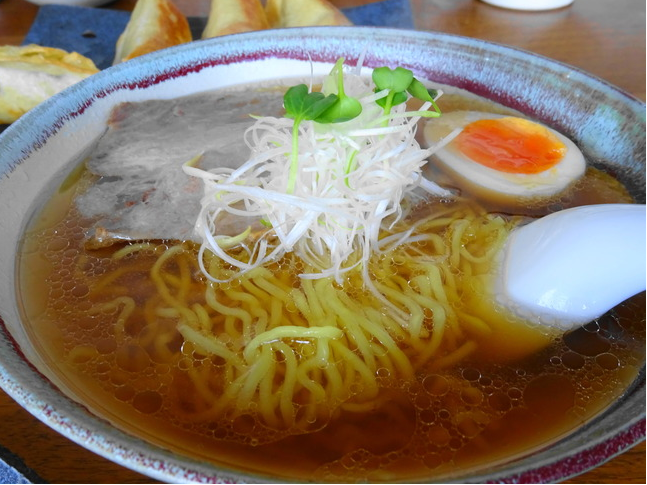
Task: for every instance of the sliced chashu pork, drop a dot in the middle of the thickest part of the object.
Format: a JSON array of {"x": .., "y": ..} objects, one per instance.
[{"x": 142, "y": 192}]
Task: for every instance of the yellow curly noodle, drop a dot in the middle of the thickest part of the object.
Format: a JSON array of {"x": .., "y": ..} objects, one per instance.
[{"x": 288, "y": 352}]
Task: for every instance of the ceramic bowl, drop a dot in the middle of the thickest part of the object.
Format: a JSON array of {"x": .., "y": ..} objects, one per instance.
[{"x": 607, "y": 124}]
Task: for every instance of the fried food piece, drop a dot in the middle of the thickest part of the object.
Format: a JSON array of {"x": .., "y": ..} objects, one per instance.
[
  {"x": 303, "y": 13},
  {"x": 153, "y": 25},
  {"x": 234, "y": 16},
  {"x": 30, "y": 74}
]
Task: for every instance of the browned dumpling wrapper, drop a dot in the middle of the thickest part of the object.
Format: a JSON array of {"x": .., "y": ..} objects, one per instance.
[
  {"x": 303, "y": 13},
  {"x": 30, "y": 74},
  {"x": 153, "y": 25},
  {"x": 234, "y": 16}
]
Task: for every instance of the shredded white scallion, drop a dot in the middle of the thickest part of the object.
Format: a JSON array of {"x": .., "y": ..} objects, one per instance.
[{"x": 352, "y": 177}]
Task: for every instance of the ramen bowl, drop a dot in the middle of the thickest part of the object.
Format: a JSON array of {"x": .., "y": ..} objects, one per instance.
[{"x": 41, "y": 149}]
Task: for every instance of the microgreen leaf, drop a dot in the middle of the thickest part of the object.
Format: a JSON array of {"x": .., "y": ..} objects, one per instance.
[
  {"x": 346, "y": 107},
  {"x": 293, "y": 99},
  {"x": 418, "y": 90},
  {"x": 396, "y": 99},
  {"x": 303, "y": 105},
  {"x": 396, "y": 80}
]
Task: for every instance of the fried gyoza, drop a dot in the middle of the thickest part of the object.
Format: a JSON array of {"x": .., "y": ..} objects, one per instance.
[
  {"x": 153, "y": 25},
  {"x": 30, "y": 74},
  {"x": 303, "y": 13},
  {"x": 234, "y": 16}
]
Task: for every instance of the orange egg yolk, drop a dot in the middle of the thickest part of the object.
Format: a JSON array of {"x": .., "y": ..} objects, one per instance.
[{"x": 511, "y": 145}]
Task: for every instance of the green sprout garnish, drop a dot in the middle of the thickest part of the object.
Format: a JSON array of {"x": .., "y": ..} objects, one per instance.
[
  {"x": 354, "y": 154},
  {"x": 301, "y": 104},
  {"x": 419, "y": 91},
  {"x": 396, "y": 81},
  {"x": 346, "y": 107},
  {"x": 399, "y": 82}
]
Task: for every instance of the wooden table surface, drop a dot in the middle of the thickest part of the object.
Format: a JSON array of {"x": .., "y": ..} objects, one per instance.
[{"x": 603, "y": 37}]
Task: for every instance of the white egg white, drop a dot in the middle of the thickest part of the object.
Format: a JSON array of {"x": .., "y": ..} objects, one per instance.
[{"x": 449, "y": 159}]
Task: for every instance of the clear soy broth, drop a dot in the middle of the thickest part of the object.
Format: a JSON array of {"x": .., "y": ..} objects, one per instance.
[{"x": 519, "y": 390}]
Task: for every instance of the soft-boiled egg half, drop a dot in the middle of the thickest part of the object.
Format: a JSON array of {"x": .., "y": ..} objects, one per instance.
[{"x": 502, "y": 155}]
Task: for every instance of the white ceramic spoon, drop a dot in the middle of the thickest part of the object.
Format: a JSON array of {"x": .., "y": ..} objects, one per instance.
[{"x": 573, "y": 266}]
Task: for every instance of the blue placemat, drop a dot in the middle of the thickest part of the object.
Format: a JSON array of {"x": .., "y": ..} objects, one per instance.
[
  {"x": 13, "y": 470},
  {"x": 387, "y": 13},
  {"x": 93, "y": 32}
]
